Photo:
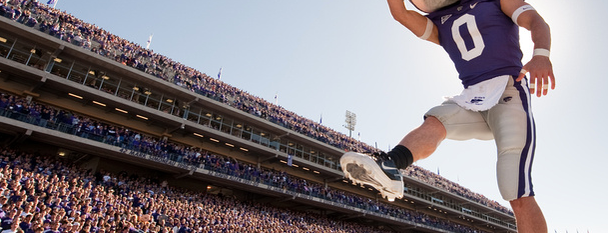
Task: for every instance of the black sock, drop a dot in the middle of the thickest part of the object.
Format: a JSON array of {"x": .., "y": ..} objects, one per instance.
[{"x": 401, "y": 156}]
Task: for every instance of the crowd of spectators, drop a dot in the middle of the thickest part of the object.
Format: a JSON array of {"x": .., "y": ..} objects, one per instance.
[
  {"x": 40, "y": 193},
  {"x": 73, "y": 30},
  {"x": 138, "y": 144}
]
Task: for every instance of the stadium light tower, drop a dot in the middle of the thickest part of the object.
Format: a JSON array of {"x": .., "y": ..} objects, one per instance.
[{"x": 351, "y": 121}]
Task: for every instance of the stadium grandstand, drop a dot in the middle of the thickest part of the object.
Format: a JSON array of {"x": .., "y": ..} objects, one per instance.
[{"x": 98, "y": 134}]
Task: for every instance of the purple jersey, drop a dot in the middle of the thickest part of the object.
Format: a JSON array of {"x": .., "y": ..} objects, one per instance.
[{"x": 482, "y": 41}]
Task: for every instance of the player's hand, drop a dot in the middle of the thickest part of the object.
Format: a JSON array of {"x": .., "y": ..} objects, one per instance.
[{"x": 541, "y": 75}]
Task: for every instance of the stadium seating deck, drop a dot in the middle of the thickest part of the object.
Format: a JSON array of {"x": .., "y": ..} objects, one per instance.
[{"x": 137, "y": 144}]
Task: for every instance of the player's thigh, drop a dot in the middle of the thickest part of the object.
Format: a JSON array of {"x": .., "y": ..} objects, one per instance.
[
  {"x": 512, "y": 124},
  {"x": 459, "y": 123}
]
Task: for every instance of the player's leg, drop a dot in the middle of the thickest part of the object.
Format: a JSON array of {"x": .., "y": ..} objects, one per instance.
[
  {"x": 528, "y": 215},
  {"x": 513, "y": 127},
  {"x": 424, "y": 140},
  {"x": 382, "y": 172}
]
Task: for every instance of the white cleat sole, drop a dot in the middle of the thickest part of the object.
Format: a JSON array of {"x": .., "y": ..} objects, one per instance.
[{"x": 363, "y": 170}]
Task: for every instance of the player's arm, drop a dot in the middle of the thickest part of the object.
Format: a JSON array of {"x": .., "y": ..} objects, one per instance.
[
  {"x": 539, "y": 67},
  {"x": 418, "y": 24}
]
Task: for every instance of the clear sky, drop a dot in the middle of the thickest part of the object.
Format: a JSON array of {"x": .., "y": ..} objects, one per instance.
[{"x": 322, "y": 58}]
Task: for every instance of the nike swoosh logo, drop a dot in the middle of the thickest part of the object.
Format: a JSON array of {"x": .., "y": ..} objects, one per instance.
[
  {"x": 474, "y": 5},
  {"x": 384, "y": 167}
]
